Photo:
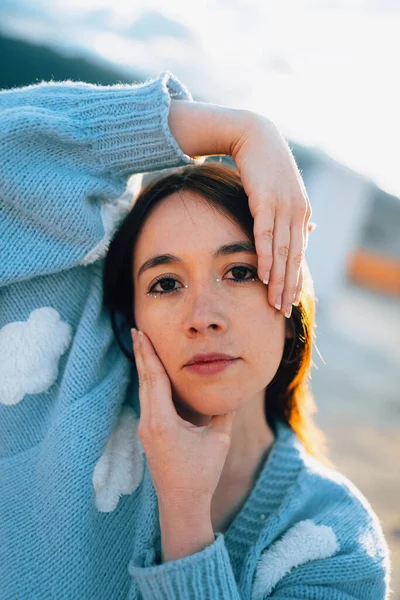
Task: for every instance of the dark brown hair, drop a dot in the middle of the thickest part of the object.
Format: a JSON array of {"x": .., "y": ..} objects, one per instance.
[{"x": 289, "y": 397}]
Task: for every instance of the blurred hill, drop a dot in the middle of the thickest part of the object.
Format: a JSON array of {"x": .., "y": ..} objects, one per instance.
[{"x": 25, "y": 64}]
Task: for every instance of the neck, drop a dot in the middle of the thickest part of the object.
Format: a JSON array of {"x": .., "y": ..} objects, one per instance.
[{"x": 251, "y": 441}]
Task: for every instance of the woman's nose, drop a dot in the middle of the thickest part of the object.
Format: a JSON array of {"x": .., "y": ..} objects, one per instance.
[
  {"x": 205, "y": 308},
  {"x": 205, "y": 291}
]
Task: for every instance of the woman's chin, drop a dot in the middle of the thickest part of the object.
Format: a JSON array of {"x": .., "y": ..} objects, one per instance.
[{"x": 200, "y": 412}]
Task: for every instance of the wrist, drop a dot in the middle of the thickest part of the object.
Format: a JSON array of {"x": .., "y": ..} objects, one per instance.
[
  {"x": 202, "y": 129},
  {"x": 185, "y": 529},
  {"x": 181, "y": 511},
  {"x": 254, "y": 126}
]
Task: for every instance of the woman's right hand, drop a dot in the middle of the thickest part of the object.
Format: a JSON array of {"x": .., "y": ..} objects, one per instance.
[{"x": 185, "y": 460}]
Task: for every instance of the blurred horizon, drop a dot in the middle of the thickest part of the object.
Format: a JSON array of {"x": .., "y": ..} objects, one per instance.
[{"x": 330, "y": 64}]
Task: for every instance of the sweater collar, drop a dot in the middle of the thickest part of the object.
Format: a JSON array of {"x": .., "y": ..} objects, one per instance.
[{"x": 276, "y": 476}]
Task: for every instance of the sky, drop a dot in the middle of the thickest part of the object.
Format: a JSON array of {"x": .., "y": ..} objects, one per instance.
[{"x": 325, "y": 71}]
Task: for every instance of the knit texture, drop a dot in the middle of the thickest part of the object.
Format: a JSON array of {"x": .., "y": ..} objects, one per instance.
[{"x": 78, "y": 510}]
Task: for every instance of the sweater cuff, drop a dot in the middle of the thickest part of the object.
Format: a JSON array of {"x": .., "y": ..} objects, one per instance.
[
  {"x": 205, "y": 575},
  {"x": 127, "y": 125}
]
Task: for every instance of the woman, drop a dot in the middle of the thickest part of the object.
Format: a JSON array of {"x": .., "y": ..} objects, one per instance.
[
  {"x": 233, "y": 505},
  {"x": 70, "y": 462}
]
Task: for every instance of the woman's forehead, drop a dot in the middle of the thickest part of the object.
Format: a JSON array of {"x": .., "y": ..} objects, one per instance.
[
  {"x": 182, "y": 241},
  {"x": 184, "y": 220}
]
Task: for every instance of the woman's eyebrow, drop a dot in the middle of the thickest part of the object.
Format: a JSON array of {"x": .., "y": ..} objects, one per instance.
[{"x": 166, "y": 259}]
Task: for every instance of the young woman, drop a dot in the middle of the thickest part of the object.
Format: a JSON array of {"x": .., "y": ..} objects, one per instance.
[
  {"x": 70, "y": 462},
  {"x": 238, "y": 499},
  {"x": 71, "y": 465}
]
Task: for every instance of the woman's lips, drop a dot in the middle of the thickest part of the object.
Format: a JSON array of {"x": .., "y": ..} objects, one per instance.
[{"x": 211, "y": 367}]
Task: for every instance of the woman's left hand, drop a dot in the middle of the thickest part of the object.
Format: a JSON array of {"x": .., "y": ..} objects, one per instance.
[
  {"x": 185, "y": 460},
  {"x": 277, "y": 196},
  {"x": 280, "y": 207}
]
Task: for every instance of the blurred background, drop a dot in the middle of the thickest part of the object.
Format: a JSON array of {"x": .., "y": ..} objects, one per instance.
[{"x": 327, "y": 72}]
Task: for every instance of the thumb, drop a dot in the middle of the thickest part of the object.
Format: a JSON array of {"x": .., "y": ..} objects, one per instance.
[
  {"x": 311, "y": 227},
  {"x": 223, "y": 423}
]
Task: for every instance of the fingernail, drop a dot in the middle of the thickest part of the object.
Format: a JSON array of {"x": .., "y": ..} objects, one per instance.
[
  {"x": 278, "y": 303},
  {"x": 288, "y": 312},
  {"x": 296, "y": 303},
  {"x": 266, "y": 279},
  {"x": 133, "y": 334},
  {"x": 140, "y": 332},
  {"x": 312, "y": 226}
]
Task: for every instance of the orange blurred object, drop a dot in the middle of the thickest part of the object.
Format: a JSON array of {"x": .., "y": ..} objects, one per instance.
[{"x": 376, "y": 272}]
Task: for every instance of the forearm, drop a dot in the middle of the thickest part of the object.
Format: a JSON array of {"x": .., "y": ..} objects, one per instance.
[
  {"x": 85, "y": 146},
  {"x": 185, "y": 530},
  {"x": 202, "y": 129}
]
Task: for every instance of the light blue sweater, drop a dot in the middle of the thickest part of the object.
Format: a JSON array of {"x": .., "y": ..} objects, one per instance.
[{"x": 78, "y": 510}]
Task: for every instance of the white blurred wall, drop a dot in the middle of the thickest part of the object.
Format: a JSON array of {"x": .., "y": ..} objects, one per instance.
[{"x": 340, "y": 200}]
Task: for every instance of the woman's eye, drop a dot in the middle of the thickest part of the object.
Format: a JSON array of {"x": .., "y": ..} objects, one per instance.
[
  {"x": 167, "y": 283},
  {"x": 241, "y": 270}
]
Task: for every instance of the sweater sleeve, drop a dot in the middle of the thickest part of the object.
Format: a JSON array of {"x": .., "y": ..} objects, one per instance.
[
  {"x": 208, "y": 575},
  {"x": 358, "y": 569},
  {"x": 346, "y": 577},
  {"x": 205, "y": 575},
  {"x": 66, "y": 152}
]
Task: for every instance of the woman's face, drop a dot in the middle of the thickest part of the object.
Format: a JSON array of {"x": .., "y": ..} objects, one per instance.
[{"x": 230, "y": 317}]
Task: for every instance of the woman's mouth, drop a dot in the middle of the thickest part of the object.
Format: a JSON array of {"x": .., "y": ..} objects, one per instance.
[{"x": 212, "y": 367}]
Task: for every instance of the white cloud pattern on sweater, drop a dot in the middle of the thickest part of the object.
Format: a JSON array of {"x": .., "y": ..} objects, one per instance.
[
  {"x": 304, "y": 542},
  {"x": 30, "y": 352},
  {"x": 112, "y": 215},
  {"x": 120, "y": 468}
]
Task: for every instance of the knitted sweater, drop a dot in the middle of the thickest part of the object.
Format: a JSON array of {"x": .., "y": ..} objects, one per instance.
[{"x": 78, "y": 510}]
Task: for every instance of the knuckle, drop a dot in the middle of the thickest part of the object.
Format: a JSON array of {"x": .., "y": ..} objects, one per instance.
[
  {"x": 300, "y": 211},
  {"x": 142, "y": 432},
  {"x": 279, "y": 281},
  {"x": 298, "y": 259},
  {"x": 149, "y": 379},
  {"x": 266, "y": 235},
  {"x": 283, "y": 252},
  {"x": 291, "y": 290},
  {"x": 157, "y": 428}
]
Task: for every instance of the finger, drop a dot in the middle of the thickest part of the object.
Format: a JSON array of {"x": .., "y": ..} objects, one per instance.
[
  {"x": 293, "y": 266},
  {"x": 222, "y": 423},
  {"x": 280, "y": 253},
  {"x": 299, "y": 286},
  {"x": 311, "y": 226},
  {"x": 263, "y": 237},
  {"x": 144, "y": 405},
  {"x": 156, "y": 383},
  {"x": 300, "y": 280},
  {"x": 308, "y": 227}
]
